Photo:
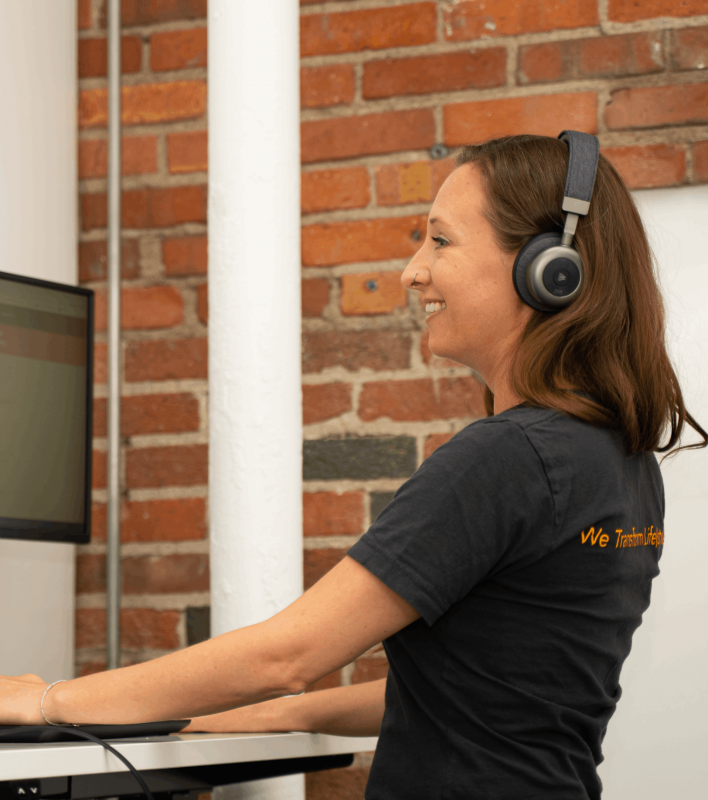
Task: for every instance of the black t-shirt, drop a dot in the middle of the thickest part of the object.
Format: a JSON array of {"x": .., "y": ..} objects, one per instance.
[{"x": 528, "y": 544}]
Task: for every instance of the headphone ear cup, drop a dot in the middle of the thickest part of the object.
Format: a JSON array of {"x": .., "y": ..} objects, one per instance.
[{"x": 522, "y": 262}]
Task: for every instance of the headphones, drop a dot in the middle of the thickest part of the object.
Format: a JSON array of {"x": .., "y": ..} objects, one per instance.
[{"x": 548, "y": 272}]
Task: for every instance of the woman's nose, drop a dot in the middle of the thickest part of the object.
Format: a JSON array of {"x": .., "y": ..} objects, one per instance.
[{"x": 414, "y": 276}]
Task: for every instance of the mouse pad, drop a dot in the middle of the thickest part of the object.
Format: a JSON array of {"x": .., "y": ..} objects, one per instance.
[{"x": 49, "y": 733}]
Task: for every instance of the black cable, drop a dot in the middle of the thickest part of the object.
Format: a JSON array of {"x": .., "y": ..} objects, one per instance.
[{"x": 84, "y": 735}]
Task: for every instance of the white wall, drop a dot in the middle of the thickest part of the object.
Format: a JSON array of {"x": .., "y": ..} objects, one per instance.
[
  {"x": 655, "y": 748},
  {"x": 38, "y": 237}
]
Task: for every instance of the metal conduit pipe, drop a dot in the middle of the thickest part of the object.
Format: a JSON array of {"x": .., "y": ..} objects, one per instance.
[{"x": 114, "y": 341}]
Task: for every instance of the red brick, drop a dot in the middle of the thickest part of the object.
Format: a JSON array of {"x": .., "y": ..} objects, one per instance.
[
  {"x": 175, "y": 574},
  {"x": 358, "y": 298},
  {"x": 144, "y": 12},
  {"x": 187, "y": 152},
  {"x": 364, "y": 240},
  {"x": 656, "y": 106},
  {"x": 185, "y": 255},
  {"x": 138, "y": 156},
  {"x": 375, "y": 350},
  {"x": 368, "y": 29},
  {"x": 93, "y": 56},
  {"x": 332, "y": 85},
  {"x": 203, "y": 304},
  {"x": 147, "y": 208},
  {"x": 161, "y": 208},
  {"x": 436, "y": 362},
  {"x": 145, "y": 103},
  {"x": 155, "y": 520},
  {"x": 604, "y": 56},
  {"x": 331, "y": 681},
  {"x": 178, "y": 49},
  {"x": 98, "y": 522},
  {"x": 479, "y": 19},
  {"x": 315, "y": 296},
  {"x": 167, "y": 466},
  {"x": 84, "y": 15},
  {"x": 151, "y": 413},
  {"x": 346, "y": 137},
  {"x": 100, "y": 363},
  {"x": 434, "y": 441},
  {"x": 631, "y": 10},
  {"x": 166, "y": 359},
  {"x": 481, "y": 69},
  {"x": 151, "y": 307},
  {"x": 90, "y": 574},
  {"x": 93, "y": 259},
  {"x": 319, "y": 562},
  {"x": 100, "y": 310},
  {"x": 332, "y": 513},
  {"x": 143, "y": 307},
  {"x": 94, "y": 210},
  {"x": 544, "y": 115},
  {"x": 370, "y": 668},
  {"x": 324, "y": 401},
  {"x": 145, "y": 628},
  {"x": 347, "y": 783},
  {"x": 328, "y": 189},
  {"x": 412, "y": 182},
  {"x": 689, "y": 48},
  {"x": 419, "y": 400},
  {"x": 544, "y": 62},
  {"x": 91, "y": 668},
  {"x": 648, "y": 166},
  {"x": 90, "y": 627},
  {"x": 99, "y": 469},
  {"x": 610, "y": 56},
  {"x": 700, "y": 162}
]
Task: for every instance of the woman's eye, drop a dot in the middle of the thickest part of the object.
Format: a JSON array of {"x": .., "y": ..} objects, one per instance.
[{"x": 440, "y": 241}]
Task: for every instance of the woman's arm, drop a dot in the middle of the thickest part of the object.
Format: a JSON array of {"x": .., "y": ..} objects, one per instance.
[
  {"x": 345, "y": 711},
  {"x": 348, "y": 611}
]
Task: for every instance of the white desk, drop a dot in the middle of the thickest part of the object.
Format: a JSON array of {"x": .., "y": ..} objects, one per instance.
[{"x": 179, "y": 763}]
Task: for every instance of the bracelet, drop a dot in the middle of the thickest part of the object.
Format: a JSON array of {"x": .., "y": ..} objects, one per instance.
[{"x": 41, "y": 706}]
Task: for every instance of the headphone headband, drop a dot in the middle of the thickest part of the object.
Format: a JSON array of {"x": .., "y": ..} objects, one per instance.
[{"x": 583, "y": 155}]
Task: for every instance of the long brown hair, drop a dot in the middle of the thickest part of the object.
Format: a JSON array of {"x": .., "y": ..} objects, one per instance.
[{"x": 602, "y": 359}]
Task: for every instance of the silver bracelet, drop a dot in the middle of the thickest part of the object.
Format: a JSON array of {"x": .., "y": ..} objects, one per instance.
[{"x": 41, "y": 706}]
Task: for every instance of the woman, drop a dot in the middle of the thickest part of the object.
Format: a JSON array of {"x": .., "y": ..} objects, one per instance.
[{"x": 509, "y": 573}]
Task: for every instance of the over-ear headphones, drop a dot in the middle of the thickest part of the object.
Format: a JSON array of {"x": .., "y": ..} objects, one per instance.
[{"x": 548, "y": 272}]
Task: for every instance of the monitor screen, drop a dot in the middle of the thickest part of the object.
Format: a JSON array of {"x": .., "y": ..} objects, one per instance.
[{"x": 46, "y": 355}]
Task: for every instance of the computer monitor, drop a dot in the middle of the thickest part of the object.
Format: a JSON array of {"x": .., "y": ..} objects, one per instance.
[{"x": 46, "y": 358}]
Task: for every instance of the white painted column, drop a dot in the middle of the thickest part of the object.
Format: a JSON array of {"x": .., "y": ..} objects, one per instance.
[
  {"x": 255, "y": 401},
  {"x": 38, "y": 238}
]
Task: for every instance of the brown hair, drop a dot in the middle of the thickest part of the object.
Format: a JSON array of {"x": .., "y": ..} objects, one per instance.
[{"x": 602, "y": 359}]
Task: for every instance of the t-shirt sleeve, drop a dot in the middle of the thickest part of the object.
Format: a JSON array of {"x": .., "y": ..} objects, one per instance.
[{"x": 479, "y": 504}]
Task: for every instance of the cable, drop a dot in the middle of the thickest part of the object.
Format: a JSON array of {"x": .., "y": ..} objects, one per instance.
[{"x": 84, "y": 735}]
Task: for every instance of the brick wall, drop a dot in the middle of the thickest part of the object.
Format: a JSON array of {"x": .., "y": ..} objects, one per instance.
[
  {"x": 383, "y": 83},
  {"x": 165, "y": 559}
]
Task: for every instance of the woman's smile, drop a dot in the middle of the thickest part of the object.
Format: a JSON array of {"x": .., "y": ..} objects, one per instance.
[{"x": 433, "y": 308}]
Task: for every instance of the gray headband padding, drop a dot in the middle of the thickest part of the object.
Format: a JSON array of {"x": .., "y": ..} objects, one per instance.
[{"x": 584, "y": 153}]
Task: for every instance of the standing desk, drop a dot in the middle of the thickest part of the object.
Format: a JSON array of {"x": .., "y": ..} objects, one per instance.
[{"x": 172, "y": 766}]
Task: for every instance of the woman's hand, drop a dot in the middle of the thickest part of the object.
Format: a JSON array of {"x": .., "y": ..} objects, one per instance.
[{"x": 20, "y": 699}]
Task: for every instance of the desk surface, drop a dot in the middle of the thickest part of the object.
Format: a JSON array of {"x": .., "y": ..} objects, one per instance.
[{"x": 21, "y": 761}]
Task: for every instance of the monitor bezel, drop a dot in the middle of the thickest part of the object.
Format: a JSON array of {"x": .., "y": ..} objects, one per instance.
[{"x": 49, "y": 531}]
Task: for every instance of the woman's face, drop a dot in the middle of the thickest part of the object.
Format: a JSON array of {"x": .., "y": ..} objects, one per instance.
[{"x": 473, "y": 313}]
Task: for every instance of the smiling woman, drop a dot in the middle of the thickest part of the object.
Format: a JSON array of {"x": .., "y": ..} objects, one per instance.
[{"x": 508, "y": 575}]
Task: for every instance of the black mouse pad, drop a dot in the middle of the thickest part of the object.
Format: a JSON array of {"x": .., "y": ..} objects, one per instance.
[{"x": 21, "y": 734}]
